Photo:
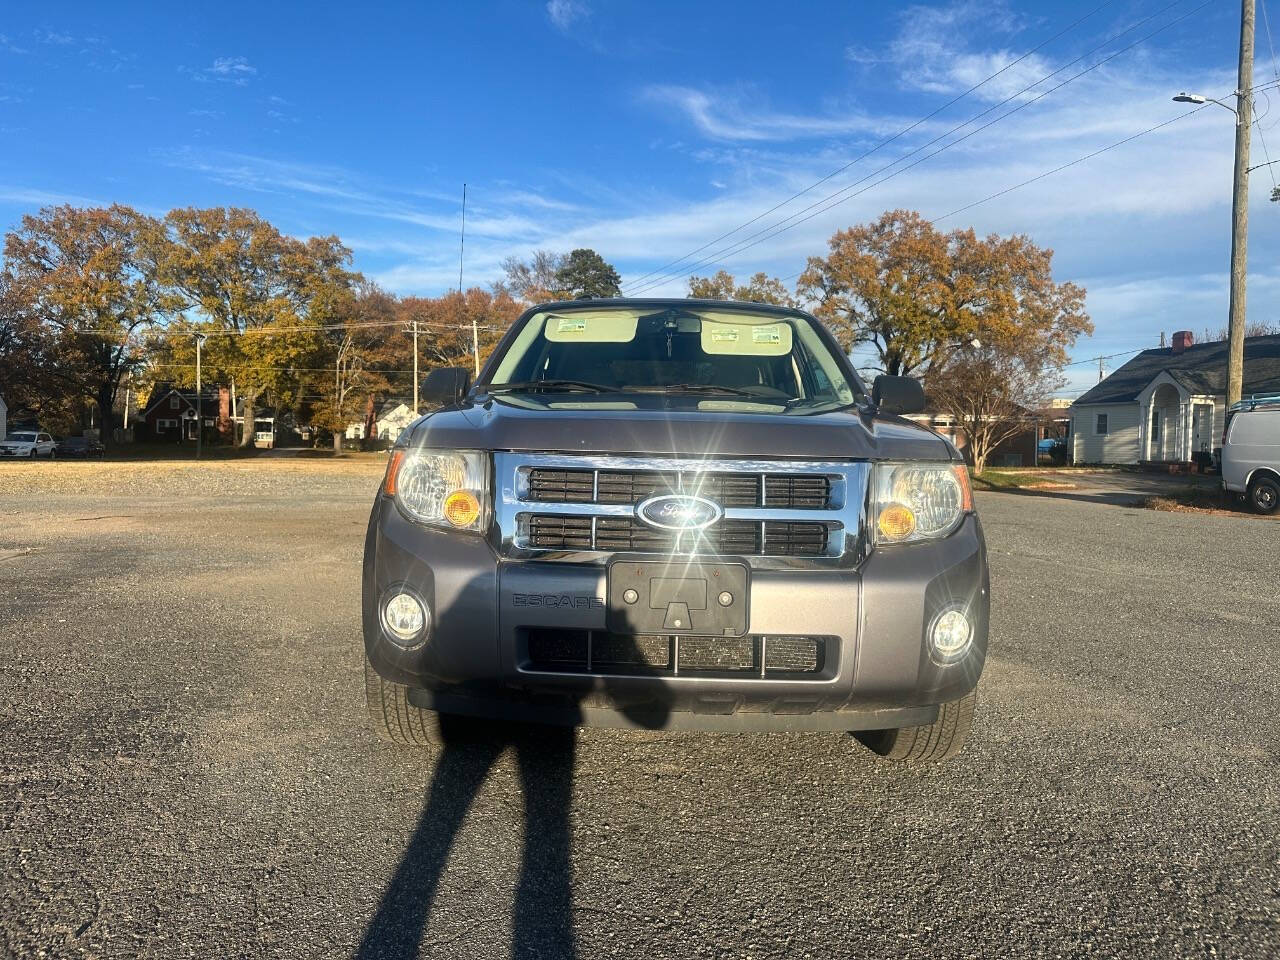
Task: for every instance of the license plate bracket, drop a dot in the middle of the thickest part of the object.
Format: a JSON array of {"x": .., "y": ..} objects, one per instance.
[{"x": 678, "y": 597}]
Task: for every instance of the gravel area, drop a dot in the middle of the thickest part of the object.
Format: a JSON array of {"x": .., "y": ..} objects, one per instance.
[
  {"x": 185, "y": 769},
  {"x": 186, "y": 479}
]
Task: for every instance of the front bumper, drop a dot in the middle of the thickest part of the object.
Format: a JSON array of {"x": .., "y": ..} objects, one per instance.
[{"x": 877, "y": 673}]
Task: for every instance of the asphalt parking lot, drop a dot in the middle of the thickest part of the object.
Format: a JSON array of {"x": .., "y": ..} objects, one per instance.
[{"x": 186, "y": 770}]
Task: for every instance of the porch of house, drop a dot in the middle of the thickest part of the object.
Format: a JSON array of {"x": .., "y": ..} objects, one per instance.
[{"x": 1173, "y": 424}]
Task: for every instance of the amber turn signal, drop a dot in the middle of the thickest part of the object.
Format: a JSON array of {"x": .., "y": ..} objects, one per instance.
[
  {"x": 393, "y": 469},
  {"x": 961, "y": 472},
  {"x": 461, "y": 508},
  {"x": 896, "y": 522}
]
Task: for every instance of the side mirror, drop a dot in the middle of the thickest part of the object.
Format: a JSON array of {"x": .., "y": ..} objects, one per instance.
[
  {"x": 897, "y": 395},
  {"x": 445, "y": 386}
]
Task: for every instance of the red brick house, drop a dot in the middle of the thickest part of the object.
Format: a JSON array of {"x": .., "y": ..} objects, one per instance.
[{"x": 170, "y": 414}]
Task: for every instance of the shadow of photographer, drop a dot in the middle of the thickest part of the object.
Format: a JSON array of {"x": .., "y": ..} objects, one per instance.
[{"x": 542, "y": 924}]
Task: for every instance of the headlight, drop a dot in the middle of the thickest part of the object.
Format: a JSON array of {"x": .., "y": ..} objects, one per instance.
[
  {"x": 445, "y": 488},
  {"x": 918, "y": 501}
]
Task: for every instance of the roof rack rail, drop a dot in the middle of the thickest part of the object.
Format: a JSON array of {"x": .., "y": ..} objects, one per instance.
[{"x": 1256, "y": 400}]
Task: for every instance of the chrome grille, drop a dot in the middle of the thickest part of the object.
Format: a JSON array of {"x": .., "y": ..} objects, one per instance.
[
  {"x": 794, "y": 491},
  {"x": 617, "y": 534},
  {"x": 583, "y": 508}
]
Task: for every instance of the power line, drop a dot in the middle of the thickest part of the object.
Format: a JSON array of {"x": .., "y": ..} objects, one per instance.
[
  {"x": 1072, "y": 163},
  {"x": 1109, "y": 356},
  {"x": 324, "y": 370},
  {"x": 882, "y": 143},
  {"x": 1275, "y": 71},
  {"x": 835, "y": 199},
  {"x": 1047, "y": 173},
  {"x": 162, "y": 333}
]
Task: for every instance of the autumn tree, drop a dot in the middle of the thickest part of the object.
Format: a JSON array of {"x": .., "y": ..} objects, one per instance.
[
  {"x": 886, "y": 283},
  {"x": 534, "y": 280},
  {"x": 27, "y": 375},
  {"x": 361, "y": 353},
  {"x": 265, "y": 295},
  {"x": 1013, "y": 328},
  {"x": 761, "y": 288},
  {"x": 584, "y": 273},
  {"x": 445, "y": 325},
  {"x": 88, "y": 291}
]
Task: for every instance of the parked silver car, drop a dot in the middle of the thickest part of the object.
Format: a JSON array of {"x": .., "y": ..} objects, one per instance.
[
  {"x": 29, "y": 444},
  {"x": 1251, "y": 451}
]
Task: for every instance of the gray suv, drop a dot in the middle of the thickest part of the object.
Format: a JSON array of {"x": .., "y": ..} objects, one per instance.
[{"x": 677, "y": 514}]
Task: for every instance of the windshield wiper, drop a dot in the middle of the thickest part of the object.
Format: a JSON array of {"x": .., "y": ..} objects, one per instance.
[
  {"x": 557, "y": 386},
  {"x": 691, "y": 388}
]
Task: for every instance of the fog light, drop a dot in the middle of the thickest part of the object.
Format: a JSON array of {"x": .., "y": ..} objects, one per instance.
[
  {"x": 950, "y": 636},
  {"x": 404, "y": 617}
]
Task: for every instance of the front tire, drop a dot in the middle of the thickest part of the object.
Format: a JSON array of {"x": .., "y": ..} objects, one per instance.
[
  {"x": 930, "y": 742},
  {"x": 1264, "y": 494},
  {"x": 394, "y": 718}
]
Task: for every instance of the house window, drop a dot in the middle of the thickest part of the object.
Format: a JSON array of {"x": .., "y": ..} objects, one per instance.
[
  {"x": 1100, "y": 425},
  {"x": 174, "y": 402},
  {"x": 1155, "y": 426}
]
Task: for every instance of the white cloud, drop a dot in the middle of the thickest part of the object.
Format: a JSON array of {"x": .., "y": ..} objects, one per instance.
[
  {"x": 734, "y": 117},
  {"x": 950, "y": 48},
  {"x": 29, "y": 197},
  {"x": 234, "y": 70},
  {"x": 565, "y": 13},
  {"x": 1143, "y": 227}
]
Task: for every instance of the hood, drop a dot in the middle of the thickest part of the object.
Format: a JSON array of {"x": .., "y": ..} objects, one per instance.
[{"x": 849, "y": 434}]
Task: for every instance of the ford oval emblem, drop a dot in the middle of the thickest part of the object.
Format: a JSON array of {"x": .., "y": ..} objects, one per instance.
[{"x": 677, "y": 512}]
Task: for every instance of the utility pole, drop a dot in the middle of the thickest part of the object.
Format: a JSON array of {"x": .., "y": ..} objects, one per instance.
[
  {"x": 1101, "y": 376},
  {"x": 1240, "y": 206},
  {"x": 415, "y": 365},
  {"x": 200, "y": 338}
]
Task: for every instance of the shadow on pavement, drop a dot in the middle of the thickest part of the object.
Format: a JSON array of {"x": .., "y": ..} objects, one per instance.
[
  {"x": 542, "y": 914},
  {"x": 1121, "y": 489}
]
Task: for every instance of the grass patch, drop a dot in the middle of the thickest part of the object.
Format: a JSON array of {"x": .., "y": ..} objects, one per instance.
[
  {"x": 1193, "y": 499},
  {"x": 173, "y": 451},
  {"x": 321, "y": 453},
  {"x": 1016, "y": 480}
]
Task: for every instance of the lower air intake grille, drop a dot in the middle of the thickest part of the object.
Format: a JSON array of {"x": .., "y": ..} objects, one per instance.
[{"x": 599, "y": 652}]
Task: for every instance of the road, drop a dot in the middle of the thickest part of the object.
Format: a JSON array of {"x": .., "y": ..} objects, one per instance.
[{"x": 186, "y": 771}]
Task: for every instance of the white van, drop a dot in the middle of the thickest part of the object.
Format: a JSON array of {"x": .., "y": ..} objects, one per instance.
[{"x": 1251, "y": 451}]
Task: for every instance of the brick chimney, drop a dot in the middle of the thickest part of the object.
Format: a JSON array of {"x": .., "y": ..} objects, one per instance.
[
  {"x": 226, "y": 426},
  {"x": 1182, "y": 339}
]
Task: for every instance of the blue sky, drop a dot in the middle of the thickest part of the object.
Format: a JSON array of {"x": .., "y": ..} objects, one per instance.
[{"x": 646, "y": 130}]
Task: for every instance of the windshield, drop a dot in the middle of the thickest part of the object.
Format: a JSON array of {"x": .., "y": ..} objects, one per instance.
[
  {"x": 710, "y": 358},
  {"x": 22, "y": 437}
]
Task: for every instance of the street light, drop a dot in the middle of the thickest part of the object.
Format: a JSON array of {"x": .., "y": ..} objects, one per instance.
[
  {"x": 1200, "y": 100},
  {"x": 1243, "y": 111}
]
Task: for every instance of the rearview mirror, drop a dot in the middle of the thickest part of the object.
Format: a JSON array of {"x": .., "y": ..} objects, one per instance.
[
  {"x": 445, "y": 386},
  {"x": 897, "y": 394}
]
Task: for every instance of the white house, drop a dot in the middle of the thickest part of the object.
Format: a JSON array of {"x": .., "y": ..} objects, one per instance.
[
  {"x": 392, "y": 417},
  {"x": 1167, "y": 404}
]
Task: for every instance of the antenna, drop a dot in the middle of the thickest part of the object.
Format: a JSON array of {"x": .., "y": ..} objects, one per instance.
[{"x": 462, "y": 246}]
